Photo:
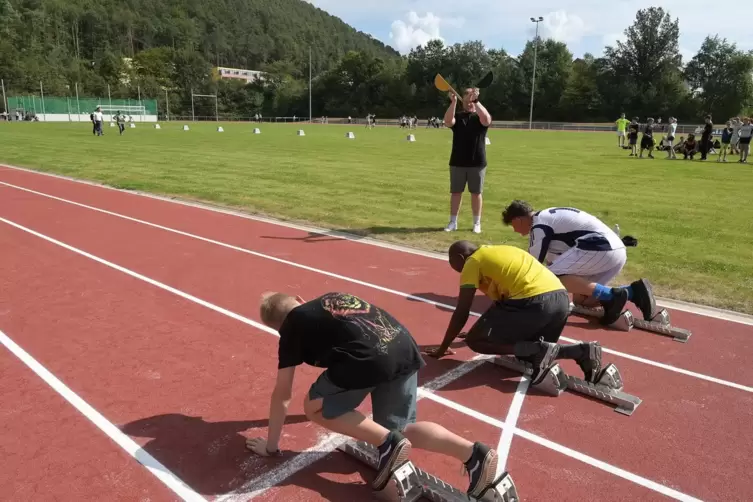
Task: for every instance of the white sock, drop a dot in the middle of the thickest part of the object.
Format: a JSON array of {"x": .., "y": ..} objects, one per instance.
[
  {"x": 453, "y": 220},
  {"x": 477, "y": 220}
]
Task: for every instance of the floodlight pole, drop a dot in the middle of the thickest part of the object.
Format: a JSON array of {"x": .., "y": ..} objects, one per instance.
[
  {"x": 310, "y": 114},
  {"x": 533, "y": 78},
  {"x": 193, "y": 114},
  {"x": 5, "y": 100}
]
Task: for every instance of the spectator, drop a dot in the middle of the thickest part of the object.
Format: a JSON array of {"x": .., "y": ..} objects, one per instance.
[
  {"x": 671, "y": 138},
  {"x": 706, "y": 137},
  {"x": 746, "y": 130},
  {"x": 726, "y": 141}
]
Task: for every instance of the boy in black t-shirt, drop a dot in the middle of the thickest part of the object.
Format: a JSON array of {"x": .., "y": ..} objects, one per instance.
[
  {"x": 647, "y": 141},
  {"x": 633, "y": 137},
  {"x": 365, "y": 351}
]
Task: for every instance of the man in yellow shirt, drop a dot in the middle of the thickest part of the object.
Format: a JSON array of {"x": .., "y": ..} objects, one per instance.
[
  {"x": 622, "y": 124},
  {"x": 530, "y": 309}
]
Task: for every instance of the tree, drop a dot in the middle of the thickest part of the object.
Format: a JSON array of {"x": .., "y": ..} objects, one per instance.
[
  {"x": 553, "y": 65},
  {"x": 646, "y": 68},
  {"x": 721, "y": 75},
  {"x": 581, "y": 100}
]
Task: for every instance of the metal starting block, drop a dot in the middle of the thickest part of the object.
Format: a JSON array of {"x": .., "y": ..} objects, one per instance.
[
  {"x": 608, "y": 389},
  {"x": 409, "y": 483},
  {"x": 659, "y": 324}
]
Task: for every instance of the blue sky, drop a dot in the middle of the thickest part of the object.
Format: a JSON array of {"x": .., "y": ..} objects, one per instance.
[{"x": 585, "y": 25}]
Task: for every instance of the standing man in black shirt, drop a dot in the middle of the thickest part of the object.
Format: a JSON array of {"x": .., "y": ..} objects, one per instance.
[
  {"x": 468, "y": 157},
  {"x": 708, "y": 129},
  {"x": 365, "y": 351}
]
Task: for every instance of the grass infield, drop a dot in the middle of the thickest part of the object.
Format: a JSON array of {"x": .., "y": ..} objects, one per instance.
[{"x": 693, "y": 220}]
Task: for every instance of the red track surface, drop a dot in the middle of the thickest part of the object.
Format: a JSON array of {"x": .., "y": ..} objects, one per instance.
[{"x": 188, "y": 383}]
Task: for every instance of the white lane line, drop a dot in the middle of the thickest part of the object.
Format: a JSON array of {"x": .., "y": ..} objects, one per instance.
[
  {"x": 505, "y": 439},
  {"x": 159, "y": 471},
  {"x": 692, "y": 308},
  {"x": 446, "y": 306},
  {"x": 293, "y": 466},
  {"x": 256, "y": 486},
  {"x": 586, "y": 459},
  {"x": 136, "y": 275}
]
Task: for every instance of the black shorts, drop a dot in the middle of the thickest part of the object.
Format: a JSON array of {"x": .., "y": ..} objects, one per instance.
[{"x": 510, "y": 321}]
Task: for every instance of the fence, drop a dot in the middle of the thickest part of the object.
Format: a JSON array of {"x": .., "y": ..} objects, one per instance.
[{"x": 72, "y": 109}]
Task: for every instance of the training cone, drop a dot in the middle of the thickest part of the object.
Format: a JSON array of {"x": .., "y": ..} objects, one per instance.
[
  {"x": 185, "y": 128},
  {"x": 350, "y": 135},
  {"x": 220, "y": 129},
  {"x": 257, "y": 130},
  {"x": 133, "y": 126},
  {"x": 301, "y": 133},
  {"x": 488, "y": 141},
  {"x": 156, "y": 126},
  {"x": 112, "y": 125},
  {"x": 411, "y": 138}
]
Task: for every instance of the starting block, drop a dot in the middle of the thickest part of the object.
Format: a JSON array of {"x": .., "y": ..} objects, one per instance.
[
  {"x": 659, "y": 324},
  {"x": 608, "y": 389},
  {"x": 410, "y": 484}
]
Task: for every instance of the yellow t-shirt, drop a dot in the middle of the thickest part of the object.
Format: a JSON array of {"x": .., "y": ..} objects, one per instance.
[
  {"x": 507, "y": 273},
  {"x": 622, "y": 124}
]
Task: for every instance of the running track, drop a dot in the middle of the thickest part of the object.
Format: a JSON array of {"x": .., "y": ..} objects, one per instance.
[{"x": 134, "y": 365}]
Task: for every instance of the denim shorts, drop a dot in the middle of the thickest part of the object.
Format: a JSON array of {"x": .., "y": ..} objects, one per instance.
[{"x": 393, "y": 403}]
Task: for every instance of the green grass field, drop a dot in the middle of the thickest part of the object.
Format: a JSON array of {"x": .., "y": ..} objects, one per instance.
[{"x": 694, "y": 220}]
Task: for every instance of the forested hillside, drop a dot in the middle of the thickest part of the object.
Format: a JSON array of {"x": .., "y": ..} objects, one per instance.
[
  {"x": 173, "y": 43},
  {"x": 168, "y": 47}
]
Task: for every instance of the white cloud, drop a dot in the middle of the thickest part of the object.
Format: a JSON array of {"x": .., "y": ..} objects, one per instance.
[
  {"x": 415, "y": 31},
  {"x": 585, "y": 25},
  {"x": 563, "y": 27}
]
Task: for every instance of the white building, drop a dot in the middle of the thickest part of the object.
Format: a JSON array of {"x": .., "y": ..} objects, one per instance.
[{"x": 238, "y": 73}]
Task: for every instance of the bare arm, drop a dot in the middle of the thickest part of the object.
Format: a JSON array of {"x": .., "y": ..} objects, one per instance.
[
  {"x": 483, "y": 115},
  {"x": 459, "y": 318},
  {"x": 278, "y": 406},
  {"x": 449, "y": 115}
]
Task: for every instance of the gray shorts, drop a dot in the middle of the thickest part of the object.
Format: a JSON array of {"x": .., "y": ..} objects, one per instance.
[
  {"x": 473, "y": 176},
  {"x": 393, "y": 403}
]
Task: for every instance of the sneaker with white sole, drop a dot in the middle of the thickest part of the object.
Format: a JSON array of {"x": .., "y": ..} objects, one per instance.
[
  {"x": 392, "y": 454},
  {"x": 451, "y": 227},
  {"x": 477, "y": 228}
]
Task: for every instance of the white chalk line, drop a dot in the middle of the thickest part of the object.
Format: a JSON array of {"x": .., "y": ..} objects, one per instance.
[
  {"x": 154, "y": 466},
  {"x": 505, "y": 439},
  {"x": 283, "y": 472},
  {"x": 256, "y": 486},
  {"x": 257, "y": 254},
  {"x": 586, "y": 459},
  {"x": 435, "y": 384},
  {"x": 692, "y": 308}
]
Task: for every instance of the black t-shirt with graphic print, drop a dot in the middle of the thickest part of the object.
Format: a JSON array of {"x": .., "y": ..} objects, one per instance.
[
  {"x": 468, "y": 141},
  {"x": 360, "y": 344}
]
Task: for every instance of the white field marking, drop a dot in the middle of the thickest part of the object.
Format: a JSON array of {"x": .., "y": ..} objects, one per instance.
[
  {"x": 365, "y": 284},
  {"x": 586, "y": 459},
  {"x": 136, "y": 275},
  {"x": 505, "y": 439},
  {"x": 693, "y": 308},
  {"x": 256, "y": 486},
  {"x": 126, "y": 443},
  {"x": 293, "y": 466}
]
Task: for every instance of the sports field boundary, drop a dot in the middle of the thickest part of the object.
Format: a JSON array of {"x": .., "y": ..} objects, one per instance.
[{"x": 680, "y": 305}]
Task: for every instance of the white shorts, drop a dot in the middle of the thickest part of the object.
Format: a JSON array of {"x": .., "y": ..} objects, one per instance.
[
  {"x": 620, "y": 134},
  {"x": 600, "y": 267}
]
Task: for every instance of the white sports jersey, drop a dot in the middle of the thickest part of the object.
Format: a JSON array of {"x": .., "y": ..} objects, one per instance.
[{"x": 557, "y": 229}]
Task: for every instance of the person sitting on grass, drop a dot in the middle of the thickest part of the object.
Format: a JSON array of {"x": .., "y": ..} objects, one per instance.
[
  {"x": 530, "y": 310},
  {"x": 366, "y": 352},
  {"x": 584, "y": 253}
]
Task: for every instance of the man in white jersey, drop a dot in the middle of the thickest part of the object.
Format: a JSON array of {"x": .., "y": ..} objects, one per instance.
[{"x": 584, "y": 253}]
